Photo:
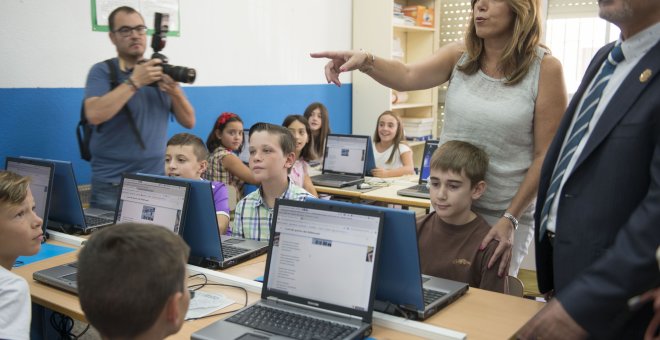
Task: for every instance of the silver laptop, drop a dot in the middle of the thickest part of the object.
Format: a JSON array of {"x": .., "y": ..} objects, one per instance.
[
  {"x": 344, "y": 161},
  {"x": 320, "y": 272},
  {"x": 142, "y": 200},
  {"x": 207, "y": 247},
  {"x": 66, "y": 212},
  {"x": 41, "y": 176},
  {"x": 421, "y": 190}
]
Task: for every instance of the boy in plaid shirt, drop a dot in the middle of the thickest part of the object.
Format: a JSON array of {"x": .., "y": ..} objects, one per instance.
[{"x": 272, "y": 153}]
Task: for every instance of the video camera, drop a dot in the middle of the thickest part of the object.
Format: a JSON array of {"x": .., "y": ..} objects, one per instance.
[{"x": 178, "y": 73}]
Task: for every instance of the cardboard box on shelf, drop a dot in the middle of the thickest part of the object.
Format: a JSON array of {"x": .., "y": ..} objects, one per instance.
[{"x": 423, "y": 16}]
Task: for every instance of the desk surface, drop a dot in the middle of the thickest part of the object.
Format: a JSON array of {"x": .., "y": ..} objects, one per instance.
[{"x": 68, "y": 303}]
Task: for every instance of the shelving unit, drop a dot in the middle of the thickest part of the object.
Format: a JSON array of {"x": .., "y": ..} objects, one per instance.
[{"x": 374, "y": 30}]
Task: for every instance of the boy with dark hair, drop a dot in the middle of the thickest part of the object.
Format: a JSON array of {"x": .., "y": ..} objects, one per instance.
[
  {"x": 449, "y": 237},
  {"x": 131, "y": 281},
  {"x": 20, "y": 234},
  {"x": 272, "y": 153},
  {"x": 186, "y": 156}
]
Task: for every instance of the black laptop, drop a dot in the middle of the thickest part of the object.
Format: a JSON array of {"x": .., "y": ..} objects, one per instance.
[
  {"x": 41, "y": 176},
  {"x": 421, "y": 190},
  {"x": 142, "y": 200},
  {"x": 320, "y": 276}
]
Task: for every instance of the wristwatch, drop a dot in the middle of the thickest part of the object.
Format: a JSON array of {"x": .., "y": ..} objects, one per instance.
[{"x": 513, "y": 219}]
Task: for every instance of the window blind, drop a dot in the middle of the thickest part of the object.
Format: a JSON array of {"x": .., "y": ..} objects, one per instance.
[{"x": 572, "y": 9}]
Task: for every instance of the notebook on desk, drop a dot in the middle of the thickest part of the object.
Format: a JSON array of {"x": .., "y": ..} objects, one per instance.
[
  {"x": 66, "y": 212},
  {"x": 207, "y": 247},
  {"x": 400, "y": 281},
  {"x": 41, "y": 176},
  {"x": 421, "y": 190},
  {"x": 141, "y": 200},
  {"x": 320, "y": 270},
  {"x": 344, "y": 161}
]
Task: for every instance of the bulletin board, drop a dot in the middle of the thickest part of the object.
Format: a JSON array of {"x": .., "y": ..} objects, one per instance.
[{"x": 101, "y": 10}]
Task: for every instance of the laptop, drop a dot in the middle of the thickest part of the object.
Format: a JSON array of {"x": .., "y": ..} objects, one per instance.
[
  {"x": 142, "y": 200},
  {"x": 344, "y": 161},
  {"x": 66, "y": 212},
  {"x": 321, "y": 268},
  {"x": 41, "y": 182},
  {"x": 208, "y": 248},
  {"x": 400, "y": 281},
  {"x": 421, "y": 190},
  {"x": 244, "y": 156}
]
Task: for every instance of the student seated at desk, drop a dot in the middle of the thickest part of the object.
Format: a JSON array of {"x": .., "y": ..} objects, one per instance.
[
  {"x": 20, "y": 234},
  {"x": 449, "y": 237},
  {"x": 272, "y": 154},
  {"x": 132, "y": 281},
  {"x": 186, "y": 156},
  {"x": 393, "y": 157}
]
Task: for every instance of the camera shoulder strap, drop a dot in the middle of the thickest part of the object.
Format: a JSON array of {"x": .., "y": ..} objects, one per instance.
[{"x": 114, "y": 82}]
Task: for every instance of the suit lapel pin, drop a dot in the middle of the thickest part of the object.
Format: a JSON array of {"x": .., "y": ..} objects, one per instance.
[{"x": 645, "y": 76}]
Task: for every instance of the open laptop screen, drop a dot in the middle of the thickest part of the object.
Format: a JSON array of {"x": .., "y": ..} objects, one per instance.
[
  {"x": 429, "y": 149},
  {"x": 41, "y": 179},
  {"x": 152, "y": 200},
  {"x": 324, "y": 255},
  {"x": 345, "y": 154}
]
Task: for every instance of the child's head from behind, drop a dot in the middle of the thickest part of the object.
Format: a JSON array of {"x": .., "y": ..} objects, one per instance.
[
  {"x": 227, "y": 132},
  {"x": 20, "y": 227},
  {"x": 185, "y": 156},
  {"x": 317, "y": 115},
  {"x": 131, "y": 280},
  {"x": 302, "y": 135},
  {"x": 272, "y": 152},
  {"x": 458, "y": 170},
  {"x": 389, "y": 129}
]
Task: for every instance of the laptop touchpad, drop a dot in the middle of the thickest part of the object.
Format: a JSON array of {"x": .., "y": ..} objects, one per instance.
[{"x": 251, "y": 336}]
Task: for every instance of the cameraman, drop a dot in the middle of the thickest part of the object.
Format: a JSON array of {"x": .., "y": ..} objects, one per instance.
[{"x": 117, "y": 144}]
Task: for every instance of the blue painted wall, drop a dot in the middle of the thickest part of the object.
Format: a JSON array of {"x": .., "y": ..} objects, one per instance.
[{"x": 40, "y": 122}]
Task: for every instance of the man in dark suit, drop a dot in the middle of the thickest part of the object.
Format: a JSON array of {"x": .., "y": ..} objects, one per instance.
[{"x": 598, "y": 206}]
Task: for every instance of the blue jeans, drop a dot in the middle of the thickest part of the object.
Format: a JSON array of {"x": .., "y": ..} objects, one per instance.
[{"x": 104, "y": 195}]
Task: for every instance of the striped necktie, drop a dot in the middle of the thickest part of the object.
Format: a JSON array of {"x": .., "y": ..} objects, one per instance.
[{"x": 592, "y": 97}]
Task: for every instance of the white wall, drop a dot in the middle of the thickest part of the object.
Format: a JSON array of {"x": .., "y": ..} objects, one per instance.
[{"x": 239, "y": 42}]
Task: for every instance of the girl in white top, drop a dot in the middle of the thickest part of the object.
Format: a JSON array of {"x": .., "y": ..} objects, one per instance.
[
  {"x": 302, "y": 134},
  {"x": 393, "y": 157}
]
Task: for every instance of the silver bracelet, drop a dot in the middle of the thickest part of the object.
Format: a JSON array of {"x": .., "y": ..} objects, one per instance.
[{"x": 513, "y": 219}]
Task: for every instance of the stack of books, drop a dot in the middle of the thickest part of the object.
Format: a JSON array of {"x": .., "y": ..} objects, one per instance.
[{"x": 418, "y": 128}]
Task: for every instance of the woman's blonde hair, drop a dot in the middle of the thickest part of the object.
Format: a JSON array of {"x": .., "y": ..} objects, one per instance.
[
  {"x": 519, "y": 54},
  {"x": 399, "y": 137}
]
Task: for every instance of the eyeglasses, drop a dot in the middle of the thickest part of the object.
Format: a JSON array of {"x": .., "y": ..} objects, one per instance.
[{"x": 126, "y": 31}]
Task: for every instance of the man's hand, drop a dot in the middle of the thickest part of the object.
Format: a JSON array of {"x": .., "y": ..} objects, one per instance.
[
  {"x": 340, "y": 61},
  {"x": 168, "y": 85},
  {"x": 502, "y": 231},
  {"x": 652, "y": 329},
  {"x": 148, "y": 72},
  {"x": 552, "y": 322}
]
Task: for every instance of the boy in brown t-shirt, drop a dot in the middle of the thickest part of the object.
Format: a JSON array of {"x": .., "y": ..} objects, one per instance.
[{"x": 449, "y": 237}]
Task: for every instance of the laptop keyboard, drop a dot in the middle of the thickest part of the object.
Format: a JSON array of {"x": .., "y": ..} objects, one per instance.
[
  {"x": 431, "y": 296},
  {"x": 290, "y": 324},
  {"x": 336, "y": 177},
  {"x": 420, "y": 188},
  {"x": 231, "y": 251},
  {"x": 93, "y": 221}
]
